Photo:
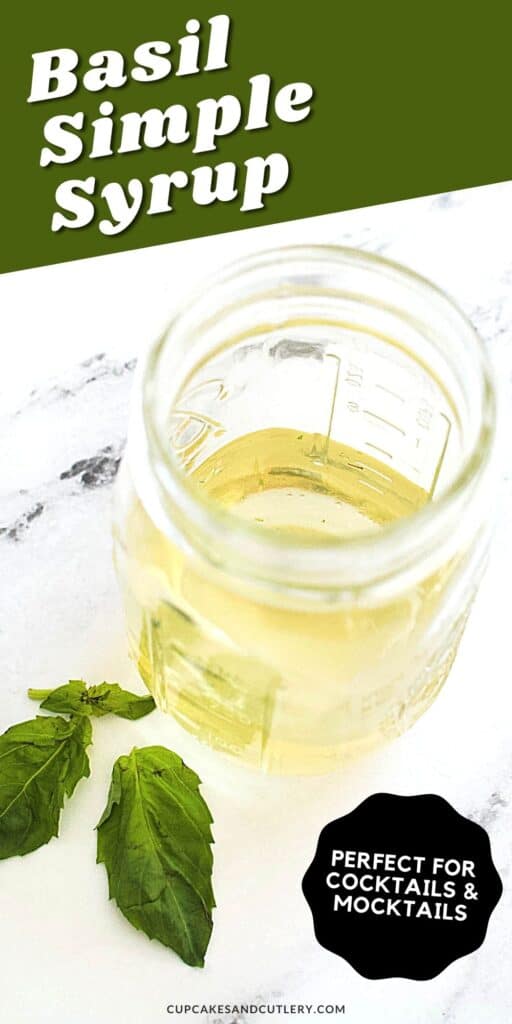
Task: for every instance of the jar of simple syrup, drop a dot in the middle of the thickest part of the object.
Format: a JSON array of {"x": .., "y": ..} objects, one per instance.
[{"x": 303, "y": 512}]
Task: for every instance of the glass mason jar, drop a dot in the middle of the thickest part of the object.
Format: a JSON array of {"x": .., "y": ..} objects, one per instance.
[{"x": 302, "y": 515}]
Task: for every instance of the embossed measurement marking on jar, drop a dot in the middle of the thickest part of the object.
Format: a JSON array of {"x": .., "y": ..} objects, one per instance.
[{"x": 382, "y": 405}]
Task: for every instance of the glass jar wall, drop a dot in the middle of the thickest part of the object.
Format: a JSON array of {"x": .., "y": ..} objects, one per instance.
[{"x": 302, "y": 515}]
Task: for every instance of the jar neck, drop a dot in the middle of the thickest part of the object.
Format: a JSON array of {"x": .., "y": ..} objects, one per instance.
[{"x": 358, "y": 568}]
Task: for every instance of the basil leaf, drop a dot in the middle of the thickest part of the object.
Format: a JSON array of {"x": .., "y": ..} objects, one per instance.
[
  {"x": 41, "y": 762},
  {"x": 154, "y": 839},
  {"x": 106, "y": 699}
]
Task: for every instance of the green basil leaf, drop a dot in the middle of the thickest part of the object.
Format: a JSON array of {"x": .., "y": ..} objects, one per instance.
[
  {"x": 106, "y": 699},
  {"x": 154, "y": 839},
  {"x": 41, "y": 762}
]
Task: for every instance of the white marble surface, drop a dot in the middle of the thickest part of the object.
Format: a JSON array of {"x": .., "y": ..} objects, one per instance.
[{"x": 70, "y": 338}]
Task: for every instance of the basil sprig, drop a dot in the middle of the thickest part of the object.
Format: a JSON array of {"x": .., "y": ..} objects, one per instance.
[
  {"x": 41, "y": 762},
  {"x": 154, "y": 838},
  {"x": 75, "y": 698}
]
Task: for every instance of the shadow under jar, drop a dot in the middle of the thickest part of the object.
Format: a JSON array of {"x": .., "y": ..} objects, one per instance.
[{"x": 302, "y": 516}]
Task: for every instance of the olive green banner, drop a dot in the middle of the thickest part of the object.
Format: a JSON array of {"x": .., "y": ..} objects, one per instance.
[{"x": 133, "y": 125}]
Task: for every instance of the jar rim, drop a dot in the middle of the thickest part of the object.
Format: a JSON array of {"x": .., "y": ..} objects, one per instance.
[{"x": 287, "y": 562}]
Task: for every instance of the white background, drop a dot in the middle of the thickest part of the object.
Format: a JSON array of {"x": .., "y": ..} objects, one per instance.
[{"x": 66, "y": 954}]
